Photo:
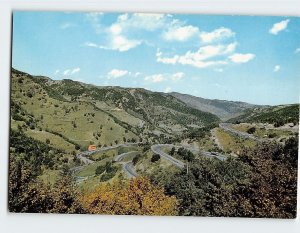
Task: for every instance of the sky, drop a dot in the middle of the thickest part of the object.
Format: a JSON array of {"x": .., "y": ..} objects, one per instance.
[{"x": 255, "y": 59}]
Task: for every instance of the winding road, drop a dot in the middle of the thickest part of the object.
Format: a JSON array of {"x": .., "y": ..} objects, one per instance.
[
  {"x": 127, "y": 166},
  {"x": 228, "y": 127},
  {"x": 158, "y": 149}
]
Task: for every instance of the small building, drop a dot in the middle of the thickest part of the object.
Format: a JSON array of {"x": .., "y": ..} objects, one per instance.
[{"x": 92, "y": 148}]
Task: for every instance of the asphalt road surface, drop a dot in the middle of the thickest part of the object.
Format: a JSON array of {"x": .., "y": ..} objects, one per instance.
[
  {"x": 127, "y": 166},
  {"x": 157, "y": 149},
  {"x": 228, "y": 127}
]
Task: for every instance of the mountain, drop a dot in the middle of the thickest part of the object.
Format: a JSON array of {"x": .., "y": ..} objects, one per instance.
[
  {"x": 277, "y": 115},
  {"x": 222, "y": 108},
  {"x": 79, "y": 114}
]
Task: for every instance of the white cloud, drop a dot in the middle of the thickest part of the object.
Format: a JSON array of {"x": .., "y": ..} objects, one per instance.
[
  {"x": 297, "y": 50},
  {"x": 71, "y": 71},
  {"x": 115, "y": 73},
  {"x": 180, "y": 33},
  {"x": 155, "y": 78},
  {"x": 177, "y": 76},
  {"x": 75, "y": 70},
  {"x": 91, "y": 44},
  {"x": 121, "y": 35},
  {"x": 167, "y": 90},
  {"x": 56, "y": 72},
  {"x": 137, "y": 74},
  {"x": 199, "y": 58},
  {"x": 241, "y": 58},
  {"x": 277, "y": 27},
  {"x": 123, "y": 44},
  {"x": 66, "y": 72},
  {"x": 117, "y": 42},
  {"x": 216, "y": 35},
  {"x": 145, "y": 21},
  {"x": 276, "y": 68},
  {"x": 115, "y": 29},
  {"x": 94, "y": 18}
]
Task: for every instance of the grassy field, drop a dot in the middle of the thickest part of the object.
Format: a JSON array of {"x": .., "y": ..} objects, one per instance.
[
  {"x": 55, "y": 141},
  {"x": 262, "y": 132},
  {"x": 232, "y": 144},
  {"x": 81, "y": 122}
]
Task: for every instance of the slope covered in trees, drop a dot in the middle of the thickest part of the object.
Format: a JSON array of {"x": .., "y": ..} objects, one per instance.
[
  {"x": 260, "y": 183},
  {"x": 278, "y": 115}
]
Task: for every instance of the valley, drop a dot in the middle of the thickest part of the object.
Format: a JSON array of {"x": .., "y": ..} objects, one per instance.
[{"x": 139, "y": 133}]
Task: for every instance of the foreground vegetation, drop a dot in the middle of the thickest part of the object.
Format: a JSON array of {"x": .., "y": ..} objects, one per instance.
[{"x": 259, "y": 183}]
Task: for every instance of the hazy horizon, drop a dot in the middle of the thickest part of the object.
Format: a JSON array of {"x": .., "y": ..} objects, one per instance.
[{"x": 251, "y": 59}]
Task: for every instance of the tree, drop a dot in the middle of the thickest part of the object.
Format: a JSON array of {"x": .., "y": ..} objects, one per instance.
[
  {"x": 251, "y": 130},
  {"x": 135, "y": 159},
  {"x": 99, "y": 170},
  {"x": 139, "y": 197},
  {"x": 155, "y": 158},
  {"x": 48, "y": 141},
  {"x": 172, "y": 152}
]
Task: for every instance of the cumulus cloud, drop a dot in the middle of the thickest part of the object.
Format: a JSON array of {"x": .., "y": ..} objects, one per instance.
[
  {"x": 118, "y": 43},
  {"x": 75, "y": 70},
  {"x": 67, "y": 72},
  {"x": 137, "y": 74},
  {"x": 297, "y": 50},
  {"x": 167, "y": 90},
  {"x": 71, "y": 71},
  {"x": 277, "y": 27},
  {"x": 56, "y": 72},
  {"x": 200, "y": 58},
  {"x": 115, "y": 73},
  {"x": 241, "y": 58},
  {"x": 216, "y": 35},
  {"x": 145, "y": 21},
  {"x": 181, "y": 33},
  {"x": 177, "y": 76},
  {"x": 276, "y": 68},
  {"x": 155, "y": 78},
  {"x": 122, "y": 44}
]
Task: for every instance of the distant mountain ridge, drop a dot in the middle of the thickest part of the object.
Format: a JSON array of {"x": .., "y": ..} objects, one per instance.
[{"x": 224, "y": 109}]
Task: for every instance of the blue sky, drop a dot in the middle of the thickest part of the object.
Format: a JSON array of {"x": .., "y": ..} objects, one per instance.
[{"x": 243, "y": 58}]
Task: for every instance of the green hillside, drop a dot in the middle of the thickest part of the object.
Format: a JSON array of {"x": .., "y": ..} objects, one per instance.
[
  {"x": 72, "y": 115},
  {"x": 277, "y": 115}
]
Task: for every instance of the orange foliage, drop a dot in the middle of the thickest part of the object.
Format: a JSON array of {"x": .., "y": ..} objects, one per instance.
[{"x": 139, "y": 197}]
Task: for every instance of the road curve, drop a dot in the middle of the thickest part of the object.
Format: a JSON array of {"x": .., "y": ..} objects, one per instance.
[
  {"x": 129, "y": 170},
  {"x": 127, "y": 166},
  {"x": 157, "y": 149},
  {"x": 119, "y": 157},
  {"x": 228, "y": 127}
]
